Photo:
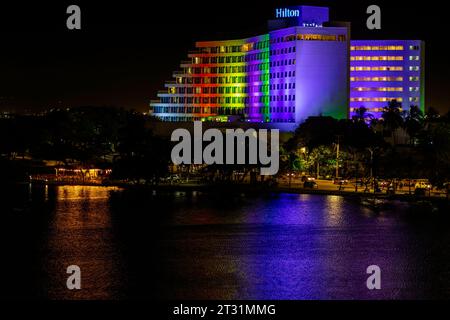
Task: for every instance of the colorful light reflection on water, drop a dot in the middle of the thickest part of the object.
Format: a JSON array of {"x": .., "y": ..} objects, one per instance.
[
  {"x": 81, "y": 233},
  {"x": 194, "y": 245}
]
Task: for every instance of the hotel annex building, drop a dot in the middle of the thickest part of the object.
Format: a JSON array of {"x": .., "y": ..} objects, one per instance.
[
  {"x": 384, "y": 70},
  {"x": 304, "y": 66}
]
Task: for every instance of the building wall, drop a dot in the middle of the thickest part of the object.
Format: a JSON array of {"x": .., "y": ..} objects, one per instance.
[
  {"x": 281, "y": 77},
  {"x": 322, "y": 75},
  {"x": 383, "y": 70}
]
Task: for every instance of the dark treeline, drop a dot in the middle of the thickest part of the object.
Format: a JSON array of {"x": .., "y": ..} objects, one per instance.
[
  {"x": 88, "y": 137},
  {"x": 401, "y": 145}
]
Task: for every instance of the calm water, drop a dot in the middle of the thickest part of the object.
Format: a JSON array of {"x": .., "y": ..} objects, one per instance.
[{"x": 140, "y": 244}]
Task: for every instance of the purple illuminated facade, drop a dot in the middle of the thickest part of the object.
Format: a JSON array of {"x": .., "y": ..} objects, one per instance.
[{"x": 384, "y": 70}]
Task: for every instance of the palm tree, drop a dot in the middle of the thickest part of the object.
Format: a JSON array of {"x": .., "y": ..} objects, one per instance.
[
  {"x": 392, "y": 118},
  {"x": 431, "y": 114},
  {"x": 414, "y": 122},
  {"x": 361, "y": 114}
]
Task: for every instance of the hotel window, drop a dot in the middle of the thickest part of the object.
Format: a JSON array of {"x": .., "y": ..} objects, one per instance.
[
  {"x": 413, "y": 78},
  {"x": 316, "y": 37},
  {"x": 414, "y": 68},
  {"x": 376, "y": 79},
  {"x": 413, "y": 99},
  {"x": 383, "y": 99},
  {"x": 391, "y": 68},
  {"x": 376, "y": 58},
  {"x": 413, "y": 47},
  {"x": 413, "y": 89},
  {"x": 376, "y": 48},
  {"x": 383, "y": 89},
  {"x": 413, "y": 58}
]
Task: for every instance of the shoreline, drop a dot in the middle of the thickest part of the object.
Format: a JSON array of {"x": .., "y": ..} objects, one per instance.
[{"x": 252, "y": 189}]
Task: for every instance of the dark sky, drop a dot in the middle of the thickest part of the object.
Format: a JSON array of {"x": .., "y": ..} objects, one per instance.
[{"x": 126, "y": 50}]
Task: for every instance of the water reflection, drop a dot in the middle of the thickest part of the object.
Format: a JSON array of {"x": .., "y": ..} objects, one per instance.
[
  {"x": 292, "y": 247},
  {"x": 334, "y": 208},
  {"x": 80, "y": 233},
  {"x": 145, "y": 244}
]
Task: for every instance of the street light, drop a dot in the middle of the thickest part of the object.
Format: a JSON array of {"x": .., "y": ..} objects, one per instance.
[
  {"x": 371, "y": 168},
  {"x": 337, "y": 156},
  {"x": 371, "y": 163}
]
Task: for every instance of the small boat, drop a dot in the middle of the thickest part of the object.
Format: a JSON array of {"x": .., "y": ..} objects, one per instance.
[
  {"x": 21, "y": 210},
  {"x": 425, "y": 206},
  {"x": 374, "y": 203}
]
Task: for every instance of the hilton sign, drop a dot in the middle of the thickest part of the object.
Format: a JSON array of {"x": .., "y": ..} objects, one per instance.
[{"x": 287, "y": 13}]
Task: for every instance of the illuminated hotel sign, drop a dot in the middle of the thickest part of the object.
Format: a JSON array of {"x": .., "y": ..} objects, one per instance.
[{"x": 287, "y": 13}]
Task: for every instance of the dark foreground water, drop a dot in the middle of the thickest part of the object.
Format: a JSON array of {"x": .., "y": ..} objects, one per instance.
[{"x": 140, "y": 244}]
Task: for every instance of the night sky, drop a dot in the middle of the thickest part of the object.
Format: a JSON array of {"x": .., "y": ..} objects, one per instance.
[{"x": 125, "y": 51}]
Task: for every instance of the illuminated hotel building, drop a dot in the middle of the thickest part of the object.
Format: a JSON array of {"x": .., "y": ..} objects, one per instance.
[
  {"x": 383, "y": 70},
  {"x": 302, "y": 67},
  {"x": 299, "y": 69}
]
